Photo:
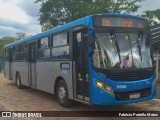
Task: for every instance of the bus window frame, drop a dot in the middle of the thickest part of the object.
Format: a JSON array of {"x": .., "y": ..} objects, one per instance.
[
  {"x": 17, "y": 49},
  {"x": 68, "y": 44},
  {"x": 38, "y": 48}
]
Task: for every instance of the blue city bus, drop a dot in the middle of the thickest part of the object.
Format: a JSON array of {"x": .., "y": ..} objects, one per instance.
[{"x": 100, "y": 59}]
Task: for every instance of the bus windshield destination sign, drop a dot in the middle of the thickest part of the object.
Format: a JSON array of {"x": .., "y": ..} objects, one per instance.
[{"x": 119, "y": 22}]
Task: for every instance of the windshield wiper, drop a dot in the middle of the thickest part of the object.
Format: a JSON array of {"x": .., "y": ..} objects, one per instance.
[
  {"x": 138, "y": 45},
  {"x": 116, "y": 43}
]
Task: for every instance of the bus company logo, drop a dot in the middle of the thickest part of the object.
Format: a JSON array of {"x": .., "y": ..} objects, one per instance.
[
  {"x": 121, "y": 86},
  {"x": 6, "y": 114}
]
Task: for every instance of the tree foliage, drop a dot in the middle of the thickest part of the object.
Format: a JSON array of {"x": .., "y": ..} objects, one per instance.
[
  {"x": 59, "y": 12},
  {"x": 6, "y": 40},
  {"x": 20, "y": 35},
  {"x": 3, "y": 42},
  {"x": 47, "y": 26},
  {"x": 152, "y": 16}
]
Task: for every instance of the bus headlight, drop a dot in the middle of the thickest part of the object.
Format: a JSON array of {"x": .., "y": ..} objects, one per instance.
[
  {"x": 104, "y": 87},
  {"x": 99, "y": 84}
]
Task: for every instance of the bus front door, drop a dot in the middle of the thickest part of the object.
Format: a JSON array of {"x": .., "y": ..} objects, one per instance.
[
  {"x": 81, "y": 58},
  {"x": 10, "y": 63},
  {"x": 32, "y": 64}
]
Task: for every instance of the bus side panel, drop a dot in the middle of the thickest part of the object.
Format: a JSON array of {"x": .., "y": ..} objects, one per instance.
[
  {"x": 6, "y": 70},
  {"x": 44, "y": 76},
  {"x": 49, "y": 71},
  {"x": 22, "y": 68}
]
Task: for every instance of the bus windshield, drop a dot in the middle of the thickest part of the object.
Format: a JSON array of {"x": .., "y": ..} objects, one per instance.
[{"x": 121, "y": 51}]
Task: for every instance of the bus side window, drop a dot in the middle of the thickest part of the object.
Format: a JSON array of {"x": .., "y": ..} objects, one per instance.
[
  {"x": 5, "y": 51},
  {"x": 43, "y": 52},
  {"x": 6, "y": 54},
  {"x": 13, "y": 49},
  {"x": 15, "y": 54},
  {"x": 38, "y": 44},
  {"x": 44, "y": 43},
  {"x": 19, "y": 48},
  {"x": 23, "y": 53},
  {"x": 60, "y": 46}
]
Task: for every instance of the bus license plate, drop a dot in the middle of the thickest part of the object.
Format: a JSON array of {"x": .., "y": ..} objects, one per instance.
[{"x": 134, "y": 95}]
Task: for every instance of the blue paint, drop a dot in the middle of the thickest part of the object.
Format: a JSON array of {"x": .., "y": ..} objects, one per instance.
[
  {"x": 101, "y": 97},
  {"x": 121, "y": 15},
  {"x": 83, "y": 21}
]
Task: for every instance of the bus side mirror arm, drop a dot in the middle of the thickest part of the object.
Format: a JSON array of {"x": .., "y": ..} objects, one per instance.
[
  {"x": 91, "y": 52},
  {"x": 90, "y": 41}
]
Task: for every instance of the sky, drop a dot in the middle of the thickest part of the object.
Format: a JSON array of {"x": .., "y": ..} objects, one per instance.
[
  {"x": 19, "y": 16},
  {"x": 22, "y": 16}
]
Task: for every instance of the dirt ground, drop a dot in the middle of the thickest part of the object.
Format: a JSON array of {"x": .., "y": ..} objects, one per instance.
[
  {"x": 158, "y": 90},
  {"x": 14, "y": 99}
]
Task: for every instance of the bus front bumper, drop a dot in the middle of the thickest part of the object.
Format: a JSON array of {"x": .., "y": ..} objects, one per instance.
[{"x": 101, "y": 97}]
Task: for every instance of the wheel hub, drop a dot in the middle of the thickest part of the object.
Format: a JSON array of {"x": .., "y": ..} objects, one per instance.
[
  {"x": 18, "y": 82},
  {"x": 61, "y": 93}
]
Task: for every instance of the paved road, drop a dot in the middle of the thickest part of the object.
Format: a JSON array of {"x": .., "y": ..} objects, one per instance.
[{"x": 12, "y": 98}]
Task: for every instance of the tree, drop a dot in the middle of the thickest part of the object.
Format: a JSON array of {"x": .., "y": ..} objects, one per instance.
[
  {"x": 20, "y": 35},
  {"x": 153, "y": 16},
  {"x": 46, "y": 26},
  {"x": 63, "y": 11}
]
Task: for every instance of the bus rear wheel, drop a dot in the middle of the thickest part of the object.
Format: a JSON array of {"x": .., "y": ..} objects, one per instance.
[
  {"x": 18, "y": 81},
  {"x": 62, "y": 94}
]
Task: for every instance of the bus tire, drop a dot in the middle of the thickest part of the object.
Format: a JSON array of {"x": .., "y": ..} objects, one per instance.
[
  {"x": 62, "y": 94},
  {"x": 18, "y": 81}
]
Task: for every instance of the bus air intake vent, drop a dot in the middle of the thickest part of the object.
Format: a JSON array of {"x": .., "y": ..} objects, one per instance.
[{"x": 129, "y": 75}]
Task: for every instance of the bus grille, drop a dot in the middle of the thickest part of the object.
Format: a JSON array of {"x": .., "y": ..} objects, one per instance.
[
  {"x": 125, "y": 95},
  {"x": 129, "y": 75}
]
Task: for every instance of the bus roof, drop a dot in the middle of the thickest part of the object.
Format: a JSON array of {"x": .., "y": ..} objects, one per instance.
[{"x": 83, "y": 21}]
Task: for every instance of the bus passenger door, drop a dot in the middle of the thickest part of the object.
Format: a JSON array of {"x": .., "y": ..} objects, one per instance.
[
  {"x": 81, "y": 58},
  {"x": 10, "y": 63},
  {"x": 32, "y": 64}
]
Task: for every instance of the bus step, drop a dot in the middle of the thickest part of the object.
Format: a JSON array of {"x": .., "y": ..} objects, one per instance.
[
  {"x": 83, "y": 97},
  {"x": 82, "y": 101},
  {"x": 33, "y": 87}
]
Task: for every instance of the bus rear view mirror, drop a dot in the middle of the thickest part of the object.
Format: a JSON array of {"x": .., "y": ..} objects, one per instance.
[
  {"x": 90, "y": 40},
  {"x": 91, "y": 53}
]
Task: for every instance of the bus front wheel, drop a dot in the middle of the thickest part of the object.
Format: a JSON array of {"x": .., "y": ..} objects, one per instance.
[
  {"x": 62, "y": 94},
  {"x": 18, "y": 81}
]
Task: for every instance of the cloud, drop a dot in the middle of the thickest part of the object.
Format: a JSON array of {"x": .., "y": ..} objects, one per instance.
[
  {"x": 12, "y": 13},
  {"x": 10, "y": 1},
  {"x": 31, "y": 8},
  {"x": 18, "y": 18},
  {"x": 149, "y": 5},
  {"x": 7, "y": 31},
  {"x": 22, "y": 16}
]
